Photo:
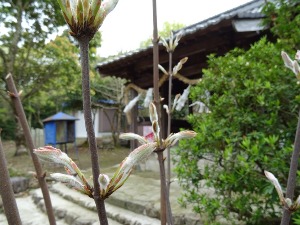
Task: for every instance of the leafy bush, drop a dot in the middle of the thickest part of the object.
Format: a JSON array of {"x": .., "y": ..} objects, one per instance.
[
  {"x": 7, "y": 122},
  {"x": 254, "y": 107}
]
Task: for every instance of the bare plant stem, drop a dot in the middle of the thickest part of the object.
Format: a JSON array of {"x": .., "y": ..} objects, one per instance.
[
  {"x": 169, "y": 120},
  {"x": 38, "y": 168},
  {"x": 7, "y": 193},
  {"x": 291, "y": 184},
  {"x": 165, "y": 206},
  {"x": 84, "y": 54},
  {"x": 155, "y": 61},
  {"x": 164, "y": 188},
  {"x": 163, "y": 218}
]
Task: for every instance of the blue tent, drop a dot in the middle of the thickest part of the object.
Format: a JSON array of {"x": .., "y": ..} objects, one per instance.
[{"x": 60, "y": 129}]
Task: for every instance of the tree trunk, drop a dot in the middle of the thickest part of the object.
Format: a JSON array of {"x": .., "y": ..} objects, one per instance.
[{"x": 20, "y": 140}]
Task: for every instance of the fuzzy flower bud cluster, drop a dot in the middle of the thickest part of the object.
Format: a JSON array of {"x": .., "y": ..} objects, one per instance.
[
  {"x": 170, "y": 141},
  {"x": 85, "y": 17},
  {"x": 74, "y": 177},
  {"x": 173, "y": 41}
]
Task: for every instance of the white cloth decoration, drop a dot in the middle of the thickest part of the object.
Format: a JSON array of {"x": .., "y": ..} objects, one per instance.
[
  {"x": 148, "y": 98},
  {"x": 202, "y": 108},
  {"x": 183, "y": 98},
  {"x": 132, "y": 103}
]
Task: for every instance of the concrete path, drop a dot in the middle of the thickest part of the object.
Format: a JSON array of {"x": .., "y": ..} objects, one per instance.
[
  {"x": 136, "y": 203},
  {"x": 29, "y": 213}
]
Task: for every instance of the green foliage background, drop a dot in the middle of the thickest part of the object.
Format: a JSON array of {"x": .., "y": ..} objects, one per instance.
[{"x": 254, "y": 106}]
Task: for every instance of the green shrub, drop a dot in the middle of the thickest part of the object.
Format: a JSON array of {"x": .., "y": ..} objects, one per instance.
[{"x": 254, "y": 108}]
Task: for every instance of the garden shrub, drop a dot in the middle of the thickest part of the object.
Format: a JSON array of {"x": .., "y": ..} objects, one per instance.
[{"x": 254, "y": 109}]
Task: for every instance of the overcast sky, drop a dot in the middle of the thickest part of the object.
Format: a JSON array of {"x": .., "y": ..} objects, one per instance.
[{"x": 131, "y": 22}]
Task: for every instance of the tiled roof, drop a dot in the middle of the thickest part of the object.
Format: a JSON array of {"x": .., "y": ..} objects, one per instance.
[
  {"x": 249, "y": 10},
  {"x": 59, "y": 116}
]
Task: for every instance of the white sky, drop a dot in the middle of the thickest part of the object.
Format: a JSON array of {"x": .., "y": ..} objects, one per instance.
[{"x": 131, "y": 22}]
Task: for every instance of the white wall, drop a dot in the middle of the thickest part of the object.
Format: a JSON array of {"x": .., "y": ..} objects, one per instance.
[{"x": 80, "y": 124}]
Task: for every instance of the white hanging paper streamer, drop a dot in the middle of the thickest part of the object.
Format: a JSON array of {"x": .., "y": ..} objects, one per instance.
[
  {"x": 166, "y": 108},
  {"x": 148, "y": 98},
  {"x": 183, "y": 98},
  {"x": 202, "y": 108},
  {"x": 132, "y": 103}
]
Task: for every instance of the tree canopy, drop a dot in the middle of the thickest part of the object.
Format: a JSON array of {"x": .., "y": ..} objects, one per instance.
[{"x": 39, "y": 66}]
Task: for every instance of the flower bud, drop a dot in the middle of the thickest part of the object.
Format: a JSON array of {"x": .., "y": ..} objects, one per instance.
[
  {"x": 172, "y": 139},
  {"x": 133, "y": 136},
  {"x": 277, "y": 186},
  {"x": 125, "y": 168},
  {"x": 287, "y": 60},
  {"x": 162, "y": 69},
  {"x": 49, "y": 153},
  {"x": 84, "y": 17},
  {"x": 152, "y": 112},
  {"x": 103, "y": 182},
  {"x": 297, "y": 56},
  {"x": 70, "y": 181}
]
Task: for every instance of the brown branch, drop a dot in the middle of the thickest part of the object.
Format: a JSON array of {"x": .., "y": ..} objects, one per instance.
[
  {"x": 291, "y": 184},
  {"x": 166, "y": 213},
  {"x": 134, "y": 87},
  {"x": 186, "y": 80},
  {"x": 84, "y": 48},
  {"x": 38, "y": 168},
  {"x": 103, "y": 106},
  {"x": 169, "y": 121},
  {"x": 7, "y": 193}
]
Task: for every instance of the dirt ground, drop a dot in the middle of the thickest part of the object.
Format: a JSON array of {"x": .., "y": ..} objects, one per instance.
[
  {"x": 108, "y": 159},
  {"x": 22, "y": 165}
]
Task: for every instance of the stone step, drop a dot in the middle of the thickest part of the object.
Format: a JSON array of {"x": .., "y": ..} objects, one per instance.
[
  {"x": 139, "y": 196},
  {"x": 67, "y": 211},
  {"x": 136, "y": 203},
  {"x": 119, "y": 214},
  {"x": 29, "y": 213}
]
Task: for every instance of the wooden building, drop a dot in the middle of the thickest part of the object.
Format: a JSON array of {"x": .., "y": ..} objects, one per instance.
[{"x": 238, "y": 27}]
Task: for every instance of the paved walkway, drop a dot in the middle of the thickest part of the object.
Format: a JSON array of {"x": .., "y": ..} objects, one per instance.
[{"x": 136, "y": 203}]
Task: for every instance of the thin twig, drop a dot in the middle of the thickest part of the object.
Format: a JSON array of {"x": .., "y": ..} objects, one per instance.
[
  {"x": 84, "y": 48},
  {"x": 164, "y": 188},
  {"x": 7, "y": 193},
  {"x": 291, "y": 184},
  {"x": 169, "y": 120},
  {"x": 166, "y": 212},
  {"x": 38, "y": 168}
]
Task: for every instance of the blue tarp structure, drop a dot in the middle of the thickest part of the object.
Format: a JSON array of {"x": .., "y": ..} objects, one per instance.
[{"x": 60, "y": 129}]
